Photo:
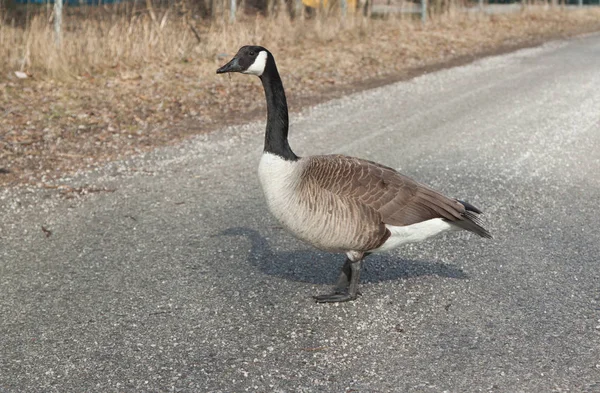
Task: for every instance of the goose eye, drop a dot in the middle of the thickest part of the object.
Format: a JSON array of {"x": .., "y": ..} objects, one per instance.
[{"x": 251, "y": 53}]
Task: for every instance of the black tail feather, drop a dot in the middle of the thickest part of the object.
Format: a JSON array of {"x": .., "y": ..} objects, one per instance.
[
  {"x": 469, "y": 207},
  {"x": 471, "y": 221}
]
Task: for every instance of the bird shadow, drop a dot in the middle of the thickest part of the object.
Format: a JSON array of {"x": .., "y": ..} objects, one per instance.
[{"x": 315, "y": 267}]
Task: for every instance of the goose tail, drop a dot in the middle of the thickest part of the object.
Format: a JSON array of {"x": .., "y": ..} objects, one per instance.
[{"x": 471, "y": 221}]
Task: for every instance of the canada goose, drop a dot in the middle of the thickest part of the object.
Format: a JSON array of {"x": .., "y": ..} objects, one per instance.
[{"x": 338, "y": 203}]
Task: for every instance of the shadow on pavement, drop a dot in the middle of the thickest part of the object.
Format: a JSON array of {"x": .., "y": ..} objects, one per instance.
[{"x": 316, "y": 267}]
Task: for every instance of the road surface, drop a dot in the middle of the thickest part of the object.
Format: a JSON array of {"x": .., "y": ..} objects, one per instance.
[{"x": 180, "y": 280}]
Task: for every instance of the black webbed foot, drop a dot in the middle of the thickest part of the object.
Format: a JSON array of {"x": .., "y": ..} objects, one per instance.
[
  {"x": 346, "y": 287},
  {"x": 336, "y": 297}
]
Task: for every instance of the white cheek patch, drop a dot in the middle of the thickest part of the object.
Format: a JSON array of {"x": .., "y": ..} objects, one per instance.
[{"x": 258, "y": 67}]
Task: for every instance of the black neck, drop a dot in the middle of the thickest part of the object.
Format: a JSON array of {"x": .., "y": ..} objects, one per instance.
[{"x": 276, "y": 136}]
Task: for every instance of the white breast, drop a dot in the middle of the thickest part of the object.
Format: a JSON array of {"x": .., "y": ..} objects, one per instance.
[{"x": 279, "y": 179}]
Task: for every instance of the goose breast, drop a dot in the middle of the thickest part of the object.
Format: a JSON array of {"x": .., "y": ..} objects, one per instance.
[{"x": 329, "y": 220}]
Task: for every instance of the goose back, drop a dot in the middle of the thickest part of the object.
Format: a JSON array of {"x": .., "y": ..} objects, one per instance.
[{"x": 399, "y": 200}]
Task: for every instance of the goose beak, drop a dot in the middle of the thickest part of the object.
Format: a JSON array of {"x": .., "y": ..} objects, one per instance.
[{"x": 232, "y": 66}]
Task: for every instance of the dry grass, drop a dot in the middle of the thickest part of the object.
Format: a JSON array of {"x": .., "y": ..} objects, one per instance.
[
  {"x": 115, "y": 41},
  {"x": 124, "y": 84},
  {"x": 101, "y": 43}
]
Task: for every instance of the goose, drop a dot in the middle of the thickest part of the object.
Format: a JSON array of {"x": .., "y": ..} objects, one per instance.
[{"x": 338, "y": 203}]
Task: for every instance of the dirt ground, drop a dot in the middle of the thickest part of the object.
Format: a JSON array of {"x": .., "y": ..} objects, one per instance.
[{"x": 51, "y": 127}]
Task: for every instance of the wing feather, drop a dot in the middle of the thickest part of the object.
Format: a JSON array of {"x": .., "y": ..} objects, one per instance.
[{"x": 397, "y": 199}]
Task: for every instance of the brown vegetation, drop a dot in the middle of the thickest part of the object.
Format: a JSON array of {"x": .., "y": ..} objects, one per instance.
[{"x": 127, "y": 82}]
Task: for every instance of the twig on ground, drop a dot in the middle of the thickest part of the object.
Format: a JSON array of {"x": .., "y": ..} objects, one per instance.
[
  {"x": 67, "y": 191},
  {"x": 196, "y": 33},
  {"x": 46, "y": 231},
  {"x": 160, "y": 312}
]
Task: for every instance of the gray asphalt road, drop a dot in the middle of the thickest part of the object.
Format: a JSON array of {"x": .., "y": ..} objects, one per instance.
[{"x": 180, "y": 279}]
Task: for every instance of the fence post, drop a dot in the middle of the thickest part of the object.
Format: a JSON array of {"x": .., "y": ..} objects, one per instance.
[
  {"x": 423, "y": 11},
  {"x": 232, "y": 9},
  {"x": 298, "y": 8},
  {"x": 367, "y": 8},
  {"x": 58, "y": 5},
  {"x": 344, "y": 6}
]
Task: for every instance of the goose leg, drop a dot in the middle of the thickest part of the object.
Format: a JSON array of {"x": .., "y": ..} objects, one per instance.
[
  {"x": 346, "y": 287},
  {"x": 344, "y": 279}
]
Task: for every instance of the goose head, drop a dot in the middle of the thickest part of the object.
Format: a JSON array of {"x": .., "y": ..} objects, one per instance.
[{"x": 249, "y": 60}]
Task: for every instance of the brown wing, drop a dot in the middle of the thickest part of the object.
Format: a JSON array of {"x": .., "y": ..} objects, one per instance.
[{"x": 399, "y": 200}]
